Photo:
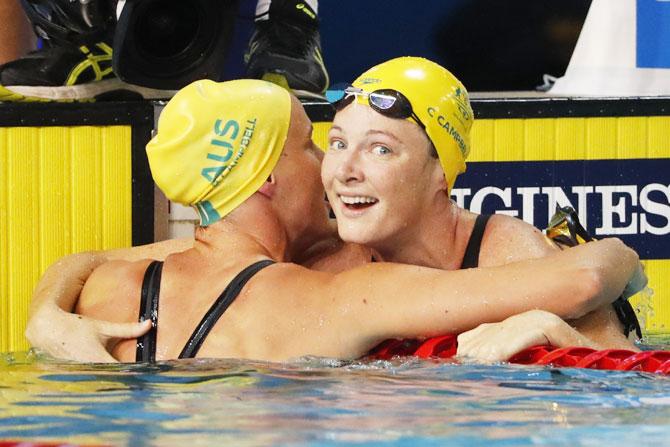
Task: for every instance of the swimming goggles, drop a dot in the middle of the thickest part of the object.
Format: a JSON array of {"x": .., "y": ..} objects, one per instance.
[
  {"x": 388, "y": 102},
  {"x": 565, "y": 229}
]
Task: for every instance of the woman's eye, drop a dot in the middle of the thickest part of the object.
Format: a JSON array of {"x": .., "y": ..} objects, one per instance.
[
  {"x": 381, "y": 150},
  {"x": 336, "y": 145}
]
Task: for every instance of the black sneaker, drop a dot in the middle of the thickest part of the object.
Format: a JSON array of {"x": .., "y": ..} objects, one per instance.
[
  {"x": 68, "y": 73},
  {"x": 286, "y": 49}
]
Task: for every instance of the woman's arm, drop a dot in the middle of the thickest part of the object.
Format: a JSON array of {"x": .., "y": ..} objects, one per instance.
[
  {"x": 569, "y": 284},
  {"x": 353, "y": 311}
]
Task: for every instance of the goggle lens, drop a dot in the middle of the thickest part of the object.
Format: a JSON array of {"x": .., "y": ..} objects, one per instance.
[{"x": 382, "y": 101}]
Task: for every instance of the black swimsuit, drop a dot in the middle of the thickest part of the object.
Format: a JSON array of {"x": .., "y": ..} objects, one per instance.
[
  {"x": 146, "y": 345},
  {"x": 471, "y": 256}
]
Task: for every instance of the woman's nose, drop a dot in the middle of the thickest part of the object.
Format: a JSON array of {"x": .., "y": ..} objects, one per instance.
[{"x": 349, "y": 168}]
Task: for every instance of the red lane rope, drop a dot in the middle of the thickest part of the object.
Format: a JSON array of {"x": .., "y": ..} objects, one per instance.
[{"x": 611, "y": 359}]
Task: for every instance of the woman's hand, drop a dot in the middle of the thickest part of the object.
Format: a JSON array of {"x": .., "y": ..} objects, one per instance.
[
  {"x": 75, "y": 337},
  {"x": 52, "y": 329},
  {"x": 497, "y": 342}
]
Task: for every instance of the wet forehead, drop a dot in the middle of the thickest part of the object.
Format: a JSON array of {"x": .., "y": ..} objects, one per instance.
[{"x": 358, "y": 120}]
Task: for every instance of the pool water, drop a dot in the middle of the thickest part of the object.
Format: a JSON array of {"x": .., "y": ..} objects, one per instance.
[{"x": 326, "y": 402}]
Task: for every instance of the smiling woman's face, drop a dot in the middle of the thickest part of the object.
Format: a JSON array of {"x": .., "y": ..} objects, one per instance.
[{"x": 379, "y": 176}]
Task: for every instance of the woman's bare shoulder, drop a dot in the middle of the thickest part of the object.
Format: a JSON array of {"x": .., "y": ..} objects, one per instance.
[
  {"x": 110, "y": 285},
  {"x": 508, "y": 239}
]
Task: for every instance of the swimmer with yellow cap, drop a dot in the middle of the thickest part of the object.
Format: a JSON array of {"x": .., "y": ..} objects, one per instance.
[
  {"x": 241, "y": 153},
  {"x": 218, "y": 144},
  {"x": 214, "y": 158},
  {"x": 399, "y": 139}
]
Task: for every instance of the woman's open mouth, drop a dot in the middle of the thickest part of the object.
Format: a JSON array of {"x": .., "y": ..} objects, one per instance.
[{"x": 357, "y": 202}]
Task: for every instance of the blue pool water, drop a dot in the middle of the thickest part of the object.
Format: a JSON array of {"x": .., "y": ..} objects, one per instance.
[{"x": 326, "y": 402}]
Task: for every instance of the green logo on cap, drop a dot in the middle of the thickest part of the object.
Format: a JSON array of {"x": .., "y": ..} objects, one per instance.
[{"x": 223, "y": 147}]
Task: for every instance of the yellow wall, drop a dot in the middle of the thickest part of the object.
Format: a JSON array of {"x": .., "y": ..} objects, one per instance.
[
  {"x": 62, "y": 190},
  {"x": 548, "y": 139}
]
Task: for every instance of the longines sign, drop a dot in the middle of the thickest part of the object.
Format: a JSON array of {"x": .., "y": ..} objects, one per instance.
[{"x": 629, "y": 199}]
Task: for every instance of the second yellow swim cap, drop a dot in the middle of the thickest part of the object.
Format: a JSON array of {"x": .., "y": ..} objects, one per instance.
[
  {"x": 217, "y": 143},
  {"x": 439, "y": 100}
]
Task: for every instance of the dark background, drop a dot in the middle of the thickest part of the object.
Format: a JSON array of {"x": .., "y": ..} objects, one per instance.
[{"x": 488, "y": 44}]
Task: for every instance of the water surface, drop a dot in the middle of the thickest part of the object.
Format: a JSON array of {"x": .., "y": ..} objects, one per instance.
[{"x": 327, "y": 402}]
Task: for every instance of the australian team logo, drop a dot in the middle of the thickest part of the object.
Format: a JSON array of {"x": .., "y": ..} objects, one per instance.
[
  {"x": 462, "y": 101},
  {"x": 224, "y": 151}
]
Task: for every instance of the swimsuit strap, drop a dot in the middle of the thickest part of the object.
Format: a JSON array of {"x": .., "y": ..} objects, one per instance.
[
  {"x": 471, "y": 256},
  {"x": 151, "y": 289},
  {"x": 219, "y": 307}
]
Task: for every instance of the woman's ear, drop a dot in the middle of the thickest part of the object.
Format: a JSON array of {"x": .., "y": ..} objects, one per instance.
[
  {"x": 438, "y": 178},
  {"x": 268, "y": 188}
]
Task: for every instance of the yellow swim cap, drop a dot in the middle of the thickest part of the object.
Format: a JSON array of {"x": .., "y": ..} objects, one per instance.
[
  {"x": 217, "y": 143},
  {"x": 439, "y": 100}
]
